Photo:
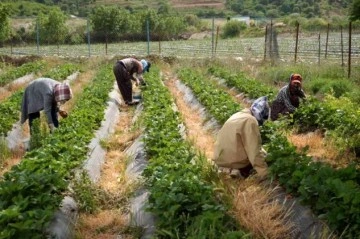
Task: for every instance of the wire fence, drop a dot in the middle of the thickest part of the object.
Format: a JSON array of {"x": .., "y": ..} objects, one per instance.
[{"x": 342, "y": 46}]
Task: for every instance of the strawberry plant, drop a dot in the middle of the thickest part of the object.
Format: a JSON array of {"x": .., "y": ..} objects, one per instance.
[
  {"x": 27, "y": 68},
  {"x": 31, "y": 191},
  {"x": 182, "y": 201}
]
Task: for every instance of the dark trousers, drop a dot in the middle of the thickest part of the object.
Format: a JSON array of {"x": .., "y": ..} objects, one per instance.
[
  {"x": 123, "y": 80},
  {"x": 36, "y": 115}
]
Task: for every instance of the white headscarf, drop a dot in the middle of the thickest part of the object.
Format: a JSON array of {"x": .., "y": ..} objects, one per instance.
[
  {"x": 260, "y": 109},
  {"x": 145, "y": 65}
]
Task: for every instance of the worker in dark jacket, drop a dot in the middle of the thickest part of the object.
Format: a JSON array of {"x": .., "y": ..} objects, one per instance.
[
  {"x": 126, "y": 71},
  {"x": 44, "y": 94},
  {"x": 288, "y": 98}
]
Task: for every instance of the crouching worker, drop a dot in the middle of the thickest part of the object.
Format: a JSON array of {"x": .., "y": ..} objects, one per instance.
[
  {"x": 288, "y": 98},
  {"x": 44, "y": 94},
  {"x": 126, "y": 71},
  {"x": 238, "y": 147}
]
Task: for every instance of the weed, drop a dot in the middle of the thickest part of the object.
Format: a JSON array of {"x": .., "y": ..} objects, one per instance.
[{"x": 5, "y": 151}]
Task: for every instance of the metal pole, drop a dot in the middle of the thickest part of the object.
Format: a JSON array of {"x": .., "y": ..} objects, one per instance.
[
  {"x": 349, "y": 58},
  {"x": 88, "y": 36},
  {"x": 148, "y": 36}
]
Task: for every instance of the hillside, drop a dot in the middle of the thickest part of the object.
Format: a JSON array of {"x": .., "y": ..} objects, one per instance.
[{"x": 202, "y": 8}]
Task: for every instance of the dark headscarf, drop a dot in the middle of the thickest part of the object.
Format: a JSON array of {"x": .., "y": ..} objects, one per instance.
[{"x": 295, "y": 89}]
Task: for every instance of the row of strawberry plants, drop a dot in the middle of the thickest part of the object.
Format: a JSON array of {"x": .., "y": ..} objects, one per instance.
[
  {"x": 9, "y": 108},
  {"x": 220, "y": 107},
  {"x": 252, "y": 88},
  {"x": 32, "y": 191},
  {"x": 182, "y": 195},
  {"x": 334, "y": 195},
  {"x": 338, "y": 116},
  {"x": 60, "y": 72},
  {"x": 13, "y": 74}
]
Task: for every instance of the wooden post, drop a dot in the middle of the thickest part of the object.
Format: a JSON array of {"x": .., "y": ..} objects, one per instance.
[
  {"x": 217, "y": 37},
  {"x": 297, "y": 40},
  {"x": 270, "y": 42},
  {"x": 159, "y": 47},
  {"x": 349, "y": 58},
  {"x": 342, "y": 46},
  {"x": 266, "y": 32},
  {"x": 319, "y": 51},
  {"x": 212, "y": 37},
  {"x": 327, "y": 40}
]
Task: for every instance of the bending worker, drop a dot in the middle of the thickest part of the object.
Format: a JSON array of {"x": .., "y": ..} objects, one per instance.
[
  {"x": 238, "y": 147},
  {"x": 44, "y": 94},
  {"x": 288, "y": 98},
  {"x": 127, "y": 70}
]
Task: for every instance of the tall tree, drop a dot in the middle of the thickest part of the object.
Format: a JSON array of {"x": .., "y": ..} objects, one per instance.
[
  {"x": 106, "y": 20},
  {"x": 5, "y": 31},
  {"x": 355, "y": 10},
  {"x": 52, "y": 27}
]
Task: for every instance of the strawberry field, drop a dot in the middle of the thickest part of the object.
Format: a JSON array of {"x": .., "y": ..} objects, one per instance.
[{"x": 161, "y": 151}]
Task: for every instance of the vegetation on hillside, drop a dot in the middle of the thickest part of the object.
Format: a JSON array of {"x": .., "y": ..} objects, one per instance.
[{"x": 253, "y": 8}]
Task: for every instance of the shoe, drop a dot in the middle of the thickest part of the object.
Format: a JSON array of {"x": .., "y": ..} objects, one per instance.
[
  {"x": 132, "y": 102},
  {"x": 224, "y": 170},
  {"x": 235, "y": 173}
]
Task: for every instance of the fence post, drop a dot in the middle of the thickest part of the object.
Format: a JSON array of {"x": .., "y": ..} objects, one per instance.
[
  {"x": 349, "y": 58},
  {"x": 270, "y": 35},
  {"x": 327, "y": 40},
  {"x": 37, "y": 36},
  {"x": 148, "y": 36},
  {"x": 319, "y": 52},
  {"x": 297, "y": 39},
  {"x": 217, "y": 37},
  {"x": 88, "y": 35},
  {"x": 342, "y": 46},
  {"x": 212, "y": 37},
  {"x": 265, "y": 45}
]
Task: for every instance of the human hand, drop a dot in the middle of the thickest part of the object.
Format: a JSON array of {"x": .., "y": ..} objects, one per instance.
[
  {"x": 137, "y": 82},
  {"x": 52, "y": 128},
  {"x": 63, "y": 113}
]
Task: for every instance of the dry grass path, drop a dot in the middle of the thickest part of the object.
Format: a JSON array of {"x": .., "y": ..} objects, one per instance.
[
  {"x": 111, "y": 219},
  {"x": 252, "y": 204}
]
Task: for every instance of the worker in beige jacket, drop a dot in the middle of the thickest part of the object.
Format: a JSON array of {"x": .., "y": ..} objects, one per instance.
[{"x": 238, "y": 146}]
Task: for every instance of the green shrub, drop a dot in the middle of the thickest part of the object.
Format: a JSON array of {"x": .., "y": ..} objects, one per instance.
[
  {"x": 324, "y": 86},
  {"x": 232, "y": 29}
]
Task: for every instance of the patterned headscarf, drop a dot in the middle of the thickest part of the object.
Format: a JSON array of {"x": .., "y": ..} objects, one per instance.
[
  {"x": 62, "y": 92},
  {"x": 260, "y": 109},
  {"x": 145, "y": 65}
]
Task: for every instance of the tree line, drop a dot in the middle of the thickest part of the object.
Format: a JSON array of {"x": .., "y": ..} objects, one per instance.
[{"x": 107, "y": 24}]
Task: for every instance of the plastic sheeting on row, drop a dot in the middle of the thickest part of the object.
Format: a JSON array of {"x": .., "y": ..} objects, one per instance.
[
  {"x": 62, "y": 224},
  {"x": 306, "y": 224}
]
